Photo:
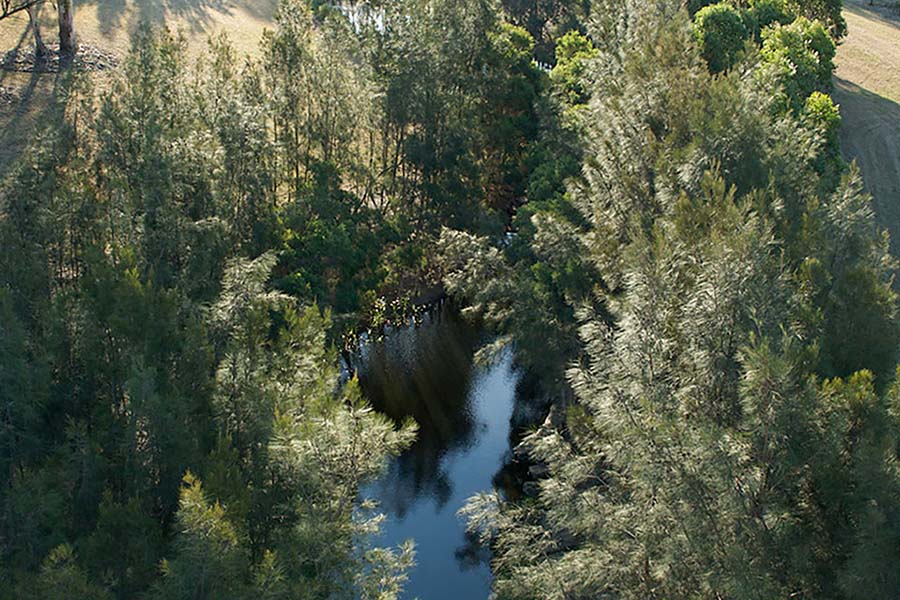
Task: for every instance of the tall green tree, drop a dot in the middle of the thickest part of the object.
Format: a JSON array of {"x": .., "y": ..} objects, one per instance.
[{"x": 704, "y": 454}]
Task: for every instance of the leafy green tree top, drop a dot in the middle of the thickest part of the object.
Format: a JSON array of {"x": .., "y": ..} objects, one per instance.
[
  {"x": 800, "y": 57},
  {"x": 573, "y": 50},
  {"x": 721, "y": 35}
]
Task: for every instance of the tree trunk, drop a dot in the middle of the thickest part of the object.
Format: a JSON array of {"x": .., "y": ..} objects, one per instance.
[
  {"x": 40, "y": 48},
  {"x": 66, "y": 28}
]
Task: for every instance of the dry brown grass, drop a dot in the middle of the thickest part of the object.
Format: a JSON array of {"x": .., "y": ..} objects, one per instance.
[
  {"x": 870, "y": 56},
  {"x": 109, "y": 23},
  {"x": 867, "y": 86}
]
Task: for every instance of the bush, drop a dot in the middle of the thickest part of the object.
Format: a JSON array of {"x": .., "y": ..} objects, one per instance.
[
  {"x": 828, "y": 12},
  {"x": 694, "y": 6},
  {"x": 572, "y": 51},
  {"x": 764, "y": 13},
  {"x": 721, "y": 33},
  {"x": 821, "y": 115},
  {"x": 801, "y": 58}
]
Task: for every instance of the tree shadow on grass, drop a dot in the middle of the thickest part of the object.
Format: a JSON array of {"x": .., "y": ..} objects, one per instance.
[
  {"x": 40, "y": 100},
  {"x": 110, "y": 14},
  {"x": 871, "y": 136},
  {"x": 26, "y": 35},
  {"x": 879, "y": 11},
  {"x": 40, "y": 105},
  {"x": 15, "y": 123},
  {"x": 197, "y": 15}
]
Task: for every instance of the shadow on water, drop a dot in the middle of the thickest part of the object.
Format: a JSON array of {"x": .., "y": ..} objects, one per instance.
[
  {"x": 468, "y": 415},
  {"x": 424, "y": 372}
]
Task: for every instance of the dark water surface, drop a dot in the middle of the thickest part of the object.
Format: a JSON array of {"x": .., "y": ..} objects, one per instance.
[{"x": 463, "y": 411}]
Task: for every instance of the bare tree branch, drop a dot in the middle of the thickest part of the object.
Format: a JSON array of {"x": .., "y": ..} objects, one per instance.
[{"x": 11, "y": 7}]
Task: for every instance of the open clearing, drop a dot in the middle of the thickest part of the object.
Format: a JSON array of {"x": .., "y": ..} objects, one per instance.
[
  {"x": 109, "y": 23},
  {"x": 867, "y": 87}
]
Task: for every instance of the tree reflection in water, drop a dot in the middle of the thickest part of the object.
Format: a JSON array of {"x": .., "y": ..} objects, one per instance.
[
  {"x": 464, "y": 413},
  {"x": 424, "y": 372}
]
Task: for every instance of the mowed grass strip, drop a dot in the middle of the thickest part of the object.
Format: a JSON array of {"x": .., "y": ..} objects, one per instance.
[{"x": 867, "y": 87}]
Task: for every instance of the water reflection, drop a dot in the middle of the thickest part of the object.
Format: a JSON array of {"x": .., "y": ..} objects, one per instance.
[
  {"x": 464, "y": 413},
  {"x": 424, "y": 372}
]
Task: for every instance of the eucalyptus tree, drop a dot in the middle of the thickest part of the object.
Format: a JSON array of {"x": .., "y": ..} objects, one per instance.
[
  {"x": 11, "y": 7},
  {"x": 65, "y": 19},
  {"x": 40, "y": 48},
  {"x": 68, "y": 45}
]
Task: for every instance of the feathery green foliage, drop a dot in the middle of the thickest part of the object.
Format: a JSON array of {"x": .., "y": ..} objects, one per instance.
[
  {"x": 663, "y": 227},
  {"x": 729, "y": 400}
]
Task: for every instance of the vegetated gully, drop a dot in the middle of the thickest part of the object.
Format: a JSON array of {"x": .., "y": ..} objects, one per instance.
[{"x": 470, "y": 418}]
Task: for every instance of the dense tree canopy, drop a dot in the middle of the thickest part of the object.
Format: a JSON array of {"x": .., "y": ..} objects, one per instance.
[
  {"x": 732, "y": 431},
  {"x": 182, "y": 254},
  {"x": 647, "y": 200}
]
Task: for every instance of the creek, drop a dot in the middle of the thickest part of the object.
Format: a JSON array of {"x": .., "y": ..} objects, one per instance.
[{"x": 467, "y": 415}]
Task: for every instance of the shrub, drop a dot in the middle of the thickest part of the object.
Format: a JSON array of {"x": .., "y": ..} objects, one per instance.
[
  {"x": 801, "y": 58},
  {"x": 721, "y": 33},
  {"x": 572, "y": 51},
  {"x": 764, "y": 13}
]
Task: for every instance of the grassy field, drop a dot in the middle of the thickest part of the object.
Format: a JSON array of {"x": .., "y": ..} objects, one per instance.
[
  {"x": 867, "y": 86},
  {"x": 108, "y": 24}
]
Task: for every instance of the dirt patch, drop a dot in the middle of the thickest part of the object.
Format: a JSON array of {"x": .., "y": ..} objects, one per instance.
[
  {"x": 867, "y": 87},
  {"x": 88, "y": 58},
  {"x": 8, "y": 96}
]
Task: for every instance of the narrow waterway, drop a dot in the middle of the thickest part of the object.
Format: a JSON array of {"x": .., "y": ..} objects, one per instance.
[{"x": 464, "y": 413}]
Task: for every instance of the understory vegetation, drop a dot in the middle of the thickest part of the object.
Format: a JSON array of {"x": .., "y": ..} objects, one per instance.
[{"x": 646, "y": 200}]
